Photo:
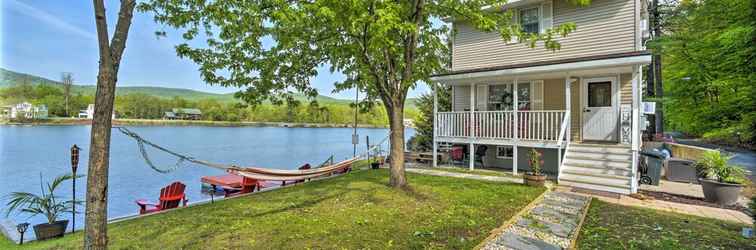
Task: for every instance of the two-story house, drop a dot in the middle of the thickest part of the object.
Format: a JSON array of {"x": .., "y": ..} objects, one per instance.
[{"x": 578, "y": 105}]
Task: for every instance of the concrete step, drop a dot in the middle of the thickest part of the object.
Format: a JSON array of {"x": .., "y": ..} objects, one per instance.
[
  {"x": 598, "y": 145},
  {"x": 576, "y": 161},
  {"x": 578, "y": 156},
  {"x": 622, "y": 175},
  {"x": 591, "y": 149},
  {"x": 613, "y": 189},
  {"x": 614, "y": 181},
  {"x": 599, "y": 156},
  {"x": 623, "y": 171}
]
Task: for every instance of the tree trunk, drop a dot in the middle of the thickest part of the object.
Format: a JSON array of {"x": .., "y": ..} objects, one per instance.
[
  {"x": 659, "y": 115},
  {"x": 96, "y": 213},
  {"x": 396, "y": 124}
]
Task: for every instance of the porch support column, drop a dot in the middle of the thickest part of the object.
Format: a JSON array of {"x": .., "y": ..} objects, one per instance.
[
  {"x": 435, "y": 123},
  {"x": 635, "y": 139},
  {"x": 568, "y": 106},
  {"x": 516, "y": 137},
  {"x": 471, "y": 126}
]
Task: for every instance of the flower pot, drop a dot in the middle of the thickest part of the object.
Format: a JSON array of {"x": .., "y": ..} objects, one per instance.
[
  {"x": 725, "y": 194},
  {"x": 50, "y": 230},
  {"x": 534, "y": 180}
]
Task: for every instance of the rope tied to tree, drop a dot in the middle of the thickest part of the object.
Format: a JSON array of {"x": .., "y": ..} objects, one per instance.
[{"x": 182, "y": 158}]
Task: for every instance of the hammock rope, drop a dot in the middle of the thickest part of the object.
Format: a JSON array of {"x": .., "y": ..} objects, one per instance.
[{"x": 251, "y": 172}]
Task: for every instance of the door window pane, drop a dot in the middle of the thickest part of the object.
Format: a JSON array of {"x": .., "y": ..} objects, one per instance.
[{"x": 600, "y": 94}]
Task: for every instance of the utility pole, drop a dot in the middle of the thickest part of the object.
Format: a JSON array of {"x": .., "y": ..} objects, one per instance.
[
  {"x": 67, "y": 79},
  {"x": 656, "y": 70}
]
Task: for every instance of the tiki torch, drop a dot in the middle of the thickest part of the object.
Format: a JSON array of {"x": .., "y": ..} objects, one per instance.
[{"x": 74, "y": 166}]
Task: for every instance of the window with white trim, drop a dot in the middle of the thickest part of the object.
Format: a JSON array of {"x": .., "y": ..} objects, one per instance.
[
  {"x": 530, "y": 20},
  {"x": 504, "y": 152}
]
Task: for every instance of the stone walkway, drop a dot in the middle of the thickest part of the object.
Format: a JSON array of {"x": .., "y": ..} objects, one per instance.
[
  {"x": 551, "y": 224},
  {"x": 464, "y": 175}
]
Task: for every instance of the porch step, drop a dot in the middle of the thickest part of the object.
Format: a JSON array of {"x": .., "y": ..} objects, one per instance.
[
  {"x": 579, "y": 160},
  {"x": 619, "y": 190},
  {"x": 597, "y": 166},
  {"x": 588, "y": 168},
  {"x": 579, "y": 154}
]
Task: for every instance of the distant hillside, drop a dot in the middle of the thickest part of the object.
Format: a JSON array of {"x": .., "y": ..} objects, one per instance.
[{"x": 9, "y": 78}]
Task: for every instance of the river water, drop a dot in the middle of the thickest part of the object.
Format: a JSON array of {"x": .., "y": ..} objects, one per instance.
[{"x": 28, "y": 152}]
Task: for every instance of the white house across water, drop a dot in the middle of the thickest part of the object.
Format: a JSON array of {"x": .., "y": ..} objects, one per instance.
[{"x": 578, "y": 105}]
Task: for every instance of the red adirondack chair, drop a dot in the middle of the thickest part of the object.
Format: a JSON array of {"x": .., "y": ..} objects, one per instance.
[
  {"x": 171, "y": 196},
  {"x": 248, "y": 185}
]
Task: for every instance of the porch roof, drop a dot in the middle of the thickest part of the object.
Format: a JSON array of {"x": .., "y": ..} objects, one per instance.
[{"x": 591, "y": 64}]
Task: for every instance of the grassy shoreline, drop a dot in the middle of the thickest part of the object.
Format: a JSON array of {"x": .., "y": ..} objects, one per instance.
[
  {"x": 355, "y": 211},
  {"x": 150, "y": 122}
]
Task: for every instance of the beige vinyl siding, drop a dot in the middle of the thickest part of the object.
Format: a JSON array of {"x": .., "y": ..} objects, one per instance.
[
  {"x": 576, "y": 112},
  {"x": 461, "y": 96},
  {"x": 626, "y": 89},
  {"x": 604, "y": 27},
  {"x": 553, "y": 94}
]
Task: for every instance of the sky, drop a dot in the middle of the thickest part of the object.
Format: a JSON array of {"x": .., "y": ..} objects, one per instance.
[{"x": 48, "y": 37}]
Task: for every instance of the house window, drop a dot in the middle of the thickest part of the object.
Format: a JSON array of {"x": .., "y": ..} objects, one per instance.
[
  {"x": 529, "y": 20},
  {"x": 523, "y": 97},
  {"x": 504, "y": 152},
  {"x": 500, "y": 97}
]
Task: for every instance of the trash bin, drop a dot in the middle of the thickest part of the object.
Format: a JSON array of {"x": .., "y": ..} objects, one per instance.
[{"x": 650, "y": 167}]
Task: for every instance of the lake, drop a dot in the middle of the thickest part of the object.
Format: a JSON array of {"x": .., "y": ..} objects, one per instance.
[{"x": 26, "y": 152}]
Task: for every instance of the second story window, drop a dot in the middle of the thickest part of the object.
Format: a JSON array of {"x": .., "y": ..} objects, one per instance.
[{"x": 529, "y": 20}]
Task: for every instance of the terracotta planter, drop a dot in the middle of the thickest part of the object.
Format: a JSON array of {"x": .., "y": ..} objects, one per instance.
[
  {"x": 725, "y": 194},
  {"x": 534, "y": 180},
  {"x": 47, "y": 231}
]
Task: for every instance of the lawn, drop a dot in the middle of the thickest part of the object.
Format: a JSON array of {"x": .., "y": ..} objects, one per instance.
[
  {"x": 612, "y": 226},
  {"x": 356, "y": 211},
  {"x": 477, "y": 171}
]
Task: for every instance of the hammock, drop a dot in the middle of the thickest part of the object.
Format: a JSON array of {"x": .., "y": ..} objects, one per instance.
[{"x": 249, "y": 172}]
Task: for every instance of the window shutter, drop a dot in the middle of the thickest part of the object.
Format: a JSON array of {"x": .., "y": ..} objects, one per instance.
[
  {"x": 481, "y": 97},
  {"x": 515, "y": 21},
  {"x": 547, "y": 16},
  {"x": 536, "y": 95}
]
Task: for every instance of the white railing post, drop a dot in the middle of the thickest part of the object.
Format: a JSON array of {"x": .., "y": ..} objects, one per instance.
[
  {"x": 515, "y": 106},
  {"x": 435, "y": 124},
  {"x": 471, "y": 125}
]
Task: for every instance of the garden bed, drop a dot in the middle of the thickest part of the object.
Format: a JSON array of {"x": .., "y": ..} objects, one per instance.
[
  {"x": 356, "y": 211},
  {"x": 613, "y": 226}
]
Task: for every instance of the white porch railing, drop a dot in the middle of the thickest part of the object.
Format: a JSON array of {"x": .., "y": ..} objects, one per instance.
[{"x": 536, "y": 125}]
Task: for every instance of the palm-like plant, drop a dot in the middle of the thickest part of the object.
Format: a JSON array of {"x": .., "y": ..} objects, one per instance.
[
  {"x": 46, "y": 203},
  {"x": 714, "y": 165}
]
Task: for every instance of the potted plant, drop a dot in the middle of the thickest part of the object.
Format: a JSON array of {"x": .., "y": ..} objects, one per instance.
[
  {"x": 46, "y": 203},
  {"x": 535, "y": 177},
  {"x": 721, "y": 182}
]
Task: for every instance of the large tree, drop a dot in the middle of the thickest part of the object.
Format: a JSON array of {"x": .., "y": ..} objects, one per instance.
[
  {"x": 96, "y": 219},
  {"x": 710, "y": 70},
  {"x": 384, "y": 48}
]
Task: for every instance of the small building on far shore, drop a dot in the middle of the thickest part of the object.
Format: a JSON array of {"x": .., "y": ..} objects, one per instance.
[
  {"x": 89, "y": 112},
  {"x": 26, "y": 110},
  {"x": 183, "y": 114}
]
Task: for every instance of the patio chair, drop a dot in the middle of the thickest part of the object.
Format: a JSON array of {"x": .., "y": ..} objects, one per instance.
[
  {"x": 171, "y": 196},
  {"x": 248, "y": 185}
]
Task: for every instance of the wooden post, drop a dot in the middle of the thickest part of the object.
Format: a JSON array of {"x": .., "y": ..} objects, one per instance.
[
  {"x": 568, "y": 106},
  {"x": 435, "y": 123},
  {"x": 472, "y": 125},
  {"x": 516, "y": 138}
]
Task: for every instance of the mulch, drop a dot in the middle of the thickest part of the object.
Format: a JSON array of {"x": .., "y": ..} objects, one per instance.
[{"x": 685, "y": 199}]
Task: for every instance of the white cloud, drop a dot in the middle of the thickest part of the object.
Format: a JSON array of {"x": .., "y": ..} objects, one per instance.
[{"x": 49, "y": 19}]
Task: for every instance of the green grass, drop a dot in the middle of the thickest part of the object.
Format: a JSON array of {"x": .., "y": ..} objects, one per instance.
[
  {"x": 356, "y": 211},
  {"x": 485, "y": 172},
  {"x": 612, "y": 226}
]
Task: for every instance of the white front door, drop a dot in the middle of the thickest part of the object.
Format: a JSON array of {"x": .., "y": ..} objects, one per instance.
[{"x": 600, "y": 102}]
